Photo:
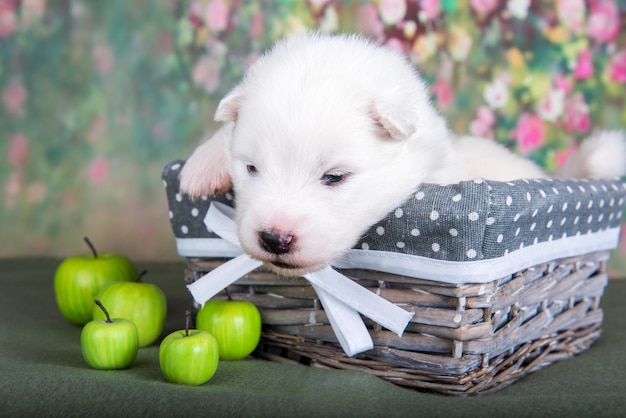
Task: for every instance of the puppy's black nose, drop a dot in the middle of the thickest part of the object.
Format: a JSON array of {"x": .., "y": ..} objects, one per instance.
[{"x": 275, "y": 242}]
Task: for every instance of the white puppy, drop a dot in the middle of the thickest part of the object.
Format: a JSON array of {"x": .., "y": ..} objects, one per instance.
[{"x": 327, "y": 134}]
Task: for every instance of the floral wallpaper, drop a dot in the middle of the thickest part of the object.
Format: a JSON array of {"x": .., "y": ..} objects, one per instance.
[{"x": 97, "y": 96}]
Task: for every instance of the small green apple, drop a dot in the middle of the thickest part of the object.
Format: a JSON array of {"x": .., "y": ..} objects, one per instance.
[
  {"x": 142, "y": 303},
  {"x": 189, "y": 357},
  {"x": 110, "y": 343},
  {"x": 78, "y": 279},
  {"x": 235, "y": 324}
]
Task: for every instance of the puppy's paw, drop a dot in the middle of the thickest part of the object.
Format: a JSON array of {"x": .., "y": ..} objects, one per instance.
[
  {"x": 207, "y": 171},
  {"x": 202, "y": 178}
]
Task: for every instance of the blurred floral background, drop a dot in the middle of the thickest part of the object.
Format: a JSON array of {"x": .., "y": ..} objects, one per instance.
[{"x": 97, "y": 96}]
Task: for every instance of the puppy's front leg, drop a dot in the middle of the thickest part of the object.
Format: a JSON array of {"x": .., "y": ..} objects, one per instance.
[{"x": 207, "y": 171}]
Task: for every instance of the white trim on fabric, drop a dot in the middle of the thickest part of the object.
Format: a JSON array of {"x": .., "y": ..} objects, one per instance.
[{"x": 480, "y": 271}]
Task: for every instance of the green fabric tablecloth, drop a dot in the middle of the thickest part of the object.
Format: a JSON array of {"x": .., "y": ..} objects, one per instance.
[{"x": 42, "y": 372}]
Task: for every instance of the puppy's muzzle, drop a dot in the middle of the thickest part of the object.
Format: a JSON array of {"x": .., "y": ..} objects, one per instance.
[{"x": 276, "y": 242}]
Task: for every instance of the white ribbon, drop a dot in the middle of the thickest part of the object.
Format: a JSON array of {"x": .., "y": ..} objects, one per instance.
[{"x": 342, "y": 298}]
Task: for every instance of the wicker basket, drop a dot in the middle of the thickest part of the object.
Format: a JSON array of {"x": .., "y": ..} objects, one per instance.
[{"x": 465, "y": 338}]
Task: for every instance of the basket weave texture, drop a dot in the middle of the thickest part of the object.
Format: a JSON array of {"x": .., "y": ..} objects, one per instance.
[{"x": 463, "y": 339}]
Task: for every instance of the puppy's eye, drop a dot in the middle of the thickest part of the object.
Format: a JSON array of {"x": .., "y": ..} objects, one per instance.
[
  {"x": 252, "y": 170},
  {"x": 333, "y": 179}
]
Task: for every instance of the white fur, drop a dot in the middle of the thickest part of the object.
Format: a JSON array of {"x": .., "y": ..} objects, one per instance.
[{"x": 317, "y": 106}]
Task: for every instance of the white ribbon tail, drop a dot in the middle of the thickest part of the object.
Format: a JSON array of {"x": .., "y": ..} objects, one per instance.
[
  {"x": 362, "y": 300},
  {"x": 347, "y": 324},
  {"x": 219, "y": 278},
  {"x": 220, "y": 219}
]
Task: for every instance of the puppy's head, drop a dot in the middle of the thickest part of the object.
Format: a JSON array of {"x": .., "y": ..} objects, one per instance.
[{"x": 325, "y": 142}]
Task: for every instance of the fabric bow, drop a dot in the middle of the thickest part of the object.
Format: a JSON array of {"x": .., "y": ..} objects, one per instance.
[{"x": 342, "y": 298}]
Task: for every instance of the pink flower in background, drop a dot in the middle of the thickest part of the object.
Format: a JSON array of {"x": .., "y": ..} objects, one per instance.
[
  {"x": 256, "y": 29},
  {"x": 617, "y": 67},
  {"x": 392, "y": 11},
  {"x": 576, "y": 115},
  {"x": 217, "y": 15},
  {"x": 18, "y": 150},
  {"x": 98, "y": 170},
  {"x": 8, "y": 18},
  {"x": 562, "y": 83},
  {"x": 103, "y": 58},
  {"x": 530, "y": 132},
  {"x": 369, "y": 22},
  {"x": 584, "y": 65},
  {"x": 430, "y": 8},
  {"x": 483, "y": 125},
  {"x": 206, "y": 73},
  {"x": 395, "y": 43},
  {"x": 444, "y": 93},
  {"x": 484, "y": 6},
  {"x": 12, "y": 189},
  {"x": 571, "y": 13},
  {"x": 196, "y": 11},
  {"x": 14, "y": 98},
  {"x": 563, "y": 155},
  {"x": 32, "y": 11},
  {"x": 603, "y": 24}
]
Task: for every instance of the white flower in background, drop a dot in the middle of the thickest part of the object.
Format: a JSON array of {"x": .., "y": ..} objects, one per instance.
[
  {"x": 571, "y": 13},
  {"x": 460, "y": 43},
  {"x": 518, "y": 8},
  {"x": 330, "y": 21},
  {"x": 424, "y": 47},
  {"x": 496, "y": 94},
  {"x": 319, "y": 3},
  {"x": 552, "y": 106},
  {"x": 392, "y": 11}
]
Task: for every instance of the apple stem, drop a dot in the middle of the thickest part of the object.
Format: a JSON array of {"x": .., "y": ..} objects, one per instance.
[
  {"x": 91, "y": 247},
  {"x": 106, "y": 313},
  {"x": 230, "y": 298},
  {"x": 187, "y": 321},
  {"x": 140, "y": 275}
]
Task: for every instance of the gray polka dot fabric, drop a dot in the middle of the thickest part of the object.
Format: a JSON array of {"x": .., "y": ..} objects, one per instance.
[
  {"x": 477, "y": 220},
  {"x": 471, "y": 221},
  {"x": 186, "y": 215}
]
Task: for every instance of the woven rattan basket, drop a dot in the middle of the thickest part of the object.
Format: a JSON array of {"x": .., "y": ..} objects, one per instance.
[{"x": 478, "y": 327}]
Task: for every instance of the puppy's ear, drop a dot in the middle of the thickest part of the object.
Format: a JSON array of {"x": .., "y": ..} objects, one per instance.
[
  {"x": 397, "y": 124},
  {"x": 207, "y": 171},
  {"x": 228, "y": 108}
]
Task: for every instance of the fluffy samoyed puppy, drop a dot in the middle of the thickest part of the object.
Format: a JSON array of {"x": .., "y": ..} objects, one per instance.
[{"x": 325, "y": 135}]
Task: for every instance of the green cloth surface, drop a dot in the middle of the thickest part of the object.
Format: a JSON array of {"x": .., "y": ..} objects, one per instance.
[{"x": 42, "y": 372}]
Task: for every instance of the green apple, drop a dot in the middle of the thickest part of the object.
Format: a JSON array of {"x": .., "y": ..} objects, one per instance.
[
  {"x": 109, "y": 343},
  {"x": 142, "y": 303},
  {"x": 235, "y": 324},
  {"x": 78, "y": 279},
  {"x": 189, "y": 357}
]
